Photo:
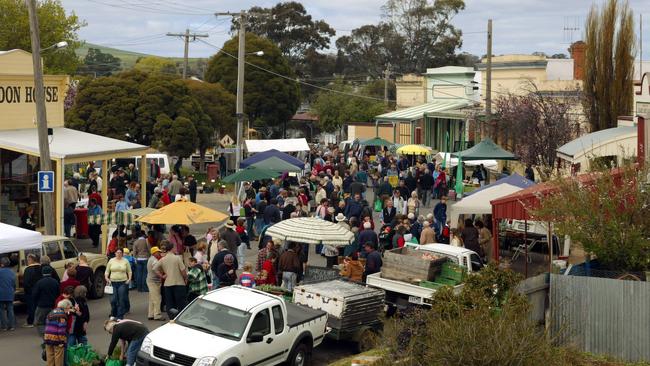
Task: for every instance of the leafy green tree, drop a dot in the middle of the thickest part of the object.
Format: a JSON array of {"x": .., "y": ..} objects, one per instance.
[
  {"x": 153, "y": 64},
  {"x": 270, "y": 99},
  {"x": 609, "y": 64},
  {"x": 337, "y": 108},
  {"x": 55, "y": 26},
  {"x": 608, "y": 215},
  {"x": 416, "y": 34},
  {"x": 176, "y": 137},
  {"x": 290, "y": 27},
  {"x": 217, "y": 103},
  {"x": 100, "y": 63},
  {"x": 105, "y": 106}
]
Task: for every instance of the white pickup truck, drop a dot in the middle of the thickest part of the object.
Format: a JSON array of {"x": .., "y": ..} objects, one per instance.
[
  {"x": 400, "y": 294},
  {"x": 236, "y": 326}
]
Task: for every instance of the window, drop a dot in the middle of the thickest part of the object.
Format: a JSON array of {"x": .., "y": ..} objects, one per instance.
[
  {"x": 53, "y": 251},
  {"x": 161, "y": 162},
  {"x": 278, "y": 319},
  {"x": 69, "y": 251},
  {"x": 261, "y": 323},
  {"x": 477, "y": 264}
]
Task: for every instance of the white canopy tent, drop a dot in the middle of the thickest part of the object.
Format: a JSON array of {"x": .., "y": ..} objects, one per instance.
[
  {"x": 14, "y": 238},
  {"x": 479, "y": 203},
  {"x": 452, "y": 162},
  {"x": 284, "y": 145}
]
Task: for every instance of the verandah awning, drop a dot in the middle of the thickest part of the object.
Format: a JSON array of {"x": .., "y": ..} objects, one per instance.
[{"x": 440, "y": 108}]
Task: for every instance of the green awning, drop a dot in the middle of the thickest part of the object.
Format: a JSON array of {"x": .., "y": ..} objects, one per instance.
[
  {"x": 440, "y": 108},
  {"x": 251, "y": 173},
  {"x": 377, "y": 141},
  {"x": 485, "y": 150},
  {"x": 276, "y": 164}
]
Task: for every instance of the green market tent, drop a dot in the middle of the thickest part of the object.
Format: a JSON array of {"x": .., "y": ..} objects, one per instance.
[
  {"x": 377, "y": 141},
  {"x": 485, "y": 150},
  {"x": 276, "y": 164},
  {"x": 250, "y": 174}
]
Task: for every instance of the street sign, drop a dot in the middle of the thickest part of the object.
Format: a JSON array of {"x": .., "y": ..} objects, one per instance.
[
  {"x": 46, "y": 181},
  {"x": 226, "y": 141}
]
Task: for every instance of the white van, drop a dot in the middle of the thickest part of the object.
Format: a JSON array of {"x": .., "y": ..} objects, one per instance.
[{"x": 161, "y": 159}]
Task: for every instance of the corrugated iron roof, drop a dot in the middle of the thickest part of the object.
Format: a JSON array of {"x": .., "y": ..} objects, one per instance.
[{"x": 429, "y": 109}]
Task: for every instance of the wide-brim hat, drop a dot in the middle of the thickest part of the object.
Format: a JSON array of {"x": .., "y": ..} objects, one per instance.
[
  {"x": 230, "y": 224},
  {"x": 340, "y": 217}
]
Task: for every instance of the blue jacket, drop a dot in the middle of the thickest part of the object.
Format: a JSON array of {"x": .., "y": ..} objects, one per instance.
[
  {"x": 7, "y": 284},
  {"x": 440, "y": 212},
  {"x": 353, "y": 209}
]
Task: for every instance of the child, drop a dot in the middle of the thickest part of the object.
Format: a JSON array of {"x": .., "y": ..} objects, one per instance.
[
  {"x": 196, "y": 280},
  {"x": 247, "y": 279}
]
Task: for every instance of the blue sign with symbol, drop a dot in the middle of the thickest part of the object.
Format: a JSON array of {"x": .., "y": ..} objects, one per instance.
[{"x": 45, "y": 181}]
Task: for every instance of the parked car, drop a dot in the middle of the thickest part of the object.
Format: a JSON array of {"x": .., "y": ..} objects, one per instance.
[
  {"x": 61, "y": 250},
  {"x": 235, "y": 326}
]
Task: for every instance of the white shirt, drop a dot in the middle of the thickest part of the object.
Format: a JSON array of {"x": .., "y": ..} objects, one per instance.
[{"x": 400, "y": 205}]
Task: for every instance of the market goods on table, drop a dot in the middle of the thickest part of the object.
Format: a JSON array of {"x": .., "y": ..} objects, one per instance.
[{"x": 410, "y": 265}]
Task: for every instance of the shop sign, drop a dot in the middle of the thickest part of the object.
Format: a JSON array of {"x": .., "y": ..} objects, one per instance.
[
  {"x": 45, "y": 181},
  {"x": 14, "y": 94},
  {"x": 643, "y": 109}
]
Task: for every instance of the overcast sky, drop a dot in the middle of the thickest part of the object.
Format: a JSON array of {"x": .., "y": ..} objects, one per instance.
[{"x": 520, "y": 26}]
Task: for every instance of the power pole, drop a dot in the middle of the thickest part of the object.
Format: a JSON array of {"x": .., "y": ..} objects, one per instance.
[
  {"x": 187, "y": 35},
  {"x": 241, "y": 55},
  {"x": 45, "y": 163},
  {"x": 640, "y": 46},
  {"x": 386, "y": 78},
  {"x": 488, "y": 80}
]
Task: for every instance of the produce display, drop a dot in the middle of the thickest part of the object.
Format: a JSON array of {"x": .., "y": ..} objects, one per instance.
[{"x": 430, "y": 256}]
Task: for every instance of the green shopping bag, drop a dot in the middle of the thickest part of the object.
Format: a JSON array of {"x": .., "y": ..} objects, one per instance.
[
  {"x": 113, "y": 362},
  {"x": 378, "y": 205},
  {"x": 81, "y": 355}
]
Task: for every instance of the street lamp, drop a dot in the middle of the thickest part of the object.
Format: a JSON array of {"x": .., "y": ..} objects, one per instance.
[{"x": 56, "y": 46}]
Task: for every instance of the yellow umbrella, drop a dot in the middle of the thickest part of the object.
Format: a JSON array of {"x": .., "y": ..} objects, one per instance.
[
  {"x": 413, "y": 150},
  {"x": 183, "y": 213}
]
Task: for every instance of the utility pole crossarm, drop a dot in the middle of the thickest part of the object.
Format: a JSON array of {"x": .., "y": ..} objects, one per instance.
[{"x": 186, "y": 37}]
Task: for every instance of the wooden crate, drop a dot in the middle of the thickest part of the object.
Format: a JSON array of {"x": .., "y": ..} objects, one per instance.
[{"x": 406, "y": 264}]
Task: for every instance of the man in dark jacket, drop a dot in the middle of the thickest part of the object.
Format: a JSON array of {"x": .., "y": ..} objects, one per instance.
[
  {"x": 231, "y": 237},
  {"x": 357, "y": 187},
  {"x": 272, "y": 214},
  {"x": 218, "y": 259},
  {"x": 192, "y": 188},
  {"x": 130, "y": 331},
  {"x": 45, "y": 293},
  {"x": 30, "y": 277},
  {"x": 425, "y": 184},
  {"x": 353, "y": 207},
  {"x": 367, "y": 235}
]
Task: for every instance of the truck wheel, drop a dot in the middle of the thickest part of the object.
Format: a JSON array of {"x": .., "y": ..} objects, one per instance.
[
  {"x": 300, "y": 356},
  {"x": 97, "y": 288}
]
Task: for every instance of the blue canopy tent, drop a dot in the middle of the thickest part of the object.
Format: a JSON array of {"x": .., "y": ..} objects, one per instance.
[
  {"x": 513, "y": 179},
  {"x": 271, "y": 153}
]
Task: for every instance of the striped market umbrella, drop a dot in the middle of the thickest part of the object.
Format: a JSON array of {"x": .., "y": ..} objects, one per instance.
[
  {"x": 311, "y": 230},
  {"x": 120, "y": 218}
]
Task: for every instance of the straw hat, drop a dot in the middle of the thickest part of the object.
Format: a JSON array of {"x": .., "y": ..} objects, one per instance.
[
  {"x": 340, "y": 217},
  {"x": 230, "y": 224}
]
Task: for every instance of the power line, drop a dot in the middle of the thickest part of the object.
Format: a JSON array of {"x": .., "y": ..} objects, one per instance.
[
  {"x": 296, "y": 80},
  {"x": 146, "y": 9}
]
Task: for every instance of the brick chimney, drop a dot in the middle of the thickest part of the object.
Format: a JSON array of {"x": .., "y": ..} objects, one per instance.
[{"x": 577, "y": 52}]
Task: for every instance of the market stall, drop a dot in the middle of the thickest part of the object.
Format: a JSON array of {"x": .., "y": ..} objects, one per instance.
[
  {"x": 310, "y": 230},
  {"x": 13, "y": 239},
  {"x": 284, "y": 145},
  {"x": 479, "y": 202},
  {"x": 271, "y": 153}
]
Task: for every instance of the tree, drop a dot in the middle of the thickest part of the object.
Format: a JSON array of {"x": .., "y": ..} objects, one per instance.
[
  {"x": 153, "y": 64},
  {"x": 174, "y": 135},
  {"x": 609, "y": 58},
  {"x": 100, "y": 63},
  {"x": 464, "y": 328},
  {"x": 608, "y": 213},
  {"x": 416, "y": 34},
  {"x": 105, "y": 106},
  {"x": 539, "y": 124},
  {"x": 55, "y": 26},
  {"x": 217, "y": 103},
  {"x": 334, "y": 109},
  {"x": 290, "y": 27},
  {"x": 271, "y": 97}
]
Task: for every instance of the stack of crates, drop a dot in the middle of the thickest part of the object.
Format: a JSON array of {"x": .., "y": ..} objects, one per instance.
[{"x": 450, "y": 275}]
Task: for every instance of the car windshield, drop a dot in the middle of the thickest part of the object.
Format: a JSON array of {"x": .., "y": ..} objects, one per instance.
[{"x": 214, "y": 318}]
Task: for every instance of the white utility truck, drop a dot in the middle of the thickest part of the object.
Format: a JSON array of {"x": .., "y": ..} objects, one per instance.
[
  {"x": 236, "y": 326},
  {"x": 402, "y": 293}
]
